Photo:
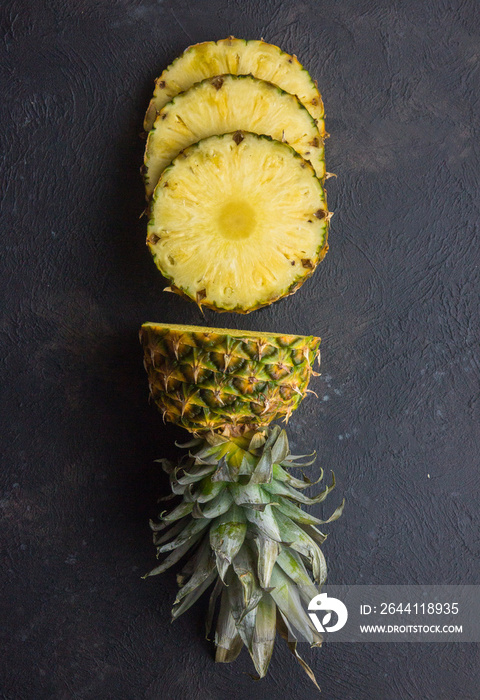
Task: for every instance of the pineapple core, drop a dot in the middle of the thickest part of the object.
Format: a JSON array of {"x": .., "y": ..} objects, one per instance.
[{"x": 236, "y": 220}]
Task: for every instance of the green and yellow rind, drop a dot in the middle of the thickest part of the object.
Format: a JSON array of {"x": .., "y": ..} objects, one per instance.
[{"x": 206, "y": 379}]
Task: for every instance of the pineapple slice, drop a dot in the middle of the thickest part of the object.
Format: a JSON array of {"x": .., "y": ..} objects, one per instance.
[
  {"x": 224, "y": 104},
  {"x": 238, "y": 221},
  {"x": 238, "y": 57}
]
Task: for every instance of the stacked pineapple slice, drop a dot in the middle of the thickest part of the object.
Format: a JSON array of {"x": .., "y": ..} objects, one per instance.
[
  {"x": 236, "y": 220},
  {"x": 234, "y": 170},
  {"x": 226, "y": 104},
  {"x": 224, "y": 232},
  {"x": 235, "y": 57}
]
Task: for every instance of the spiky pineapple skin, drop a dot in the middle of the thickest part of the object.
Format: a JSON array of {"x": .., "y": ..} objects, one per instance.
[{"x": 216, "y": 379}]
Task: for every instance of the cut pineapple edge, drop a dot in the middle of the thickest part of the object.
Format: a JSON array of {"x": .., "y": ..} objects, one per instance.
[
  {"x": 238, "y": 57},
  {"x": 190, "y": 334},
  {"x": 238, "y": 221},
  {"x": 225, "y": 104}
]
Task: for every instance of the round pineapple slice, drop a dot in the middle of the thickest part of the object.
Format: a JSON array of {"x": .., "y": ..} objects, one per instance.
[
  {"x": 238, "y": 57},
  {"x": 238, "y": 221},
  {"x": 225, "y": 104}
]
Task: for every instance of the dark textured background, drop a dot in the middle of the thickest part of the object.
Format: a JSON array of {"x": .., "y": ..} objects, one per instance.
[{"x": 395, "y": 301}]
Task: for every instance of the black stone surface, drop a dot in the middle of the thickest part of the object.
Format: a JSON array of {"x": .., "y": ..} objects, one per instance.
[{"x": 395, "y": 301}]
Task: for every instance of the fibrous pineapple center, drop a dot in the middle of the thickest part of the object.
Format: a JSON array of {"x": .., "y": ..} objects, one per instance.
[{"x": 236, "y": 220}]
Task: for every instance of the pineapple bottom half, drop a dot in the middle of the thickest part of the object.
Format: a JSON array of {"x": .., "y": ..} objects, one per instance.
[{"x": 239, "y": 522}]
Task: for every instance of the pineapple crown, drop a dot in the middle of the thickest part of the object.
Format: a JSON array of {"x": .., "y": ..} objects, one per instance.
[{"x": 241, "y": 521}]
